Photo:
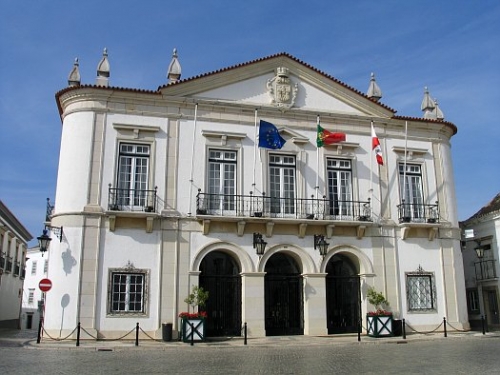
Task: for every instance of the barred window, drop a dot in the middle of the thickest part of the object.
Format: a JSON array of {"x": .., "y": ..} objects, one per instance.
[
  {"x": 420, "y": 291},
  {"x": 473, "y": 301},
  {"x": 127, "y": 291},
  {"x": 33, "y": 268}
]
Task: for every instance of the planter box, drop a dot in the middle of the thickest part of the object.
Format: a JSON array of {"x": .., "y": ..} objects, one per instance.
[
  {"x": 193, "y": 329},
  {"x": 379, "y": 325}
]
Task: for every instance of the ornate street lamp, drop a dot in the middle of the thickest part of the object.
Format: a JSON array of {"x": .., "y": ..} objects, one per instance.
[
  {"x": 259, "y": 244},
  {"x": 320, "y": 244},
  {"x": 479, "y": 251},
  {"x": 44, "y": 239}
]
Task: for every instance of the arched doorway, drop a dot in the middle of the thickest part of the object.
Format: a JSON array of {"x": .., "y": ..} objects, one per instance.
[
  {"x": 342, "y": 295},
  {"x": 283, "y": 296},
  {"x": 220, "y": 276}
]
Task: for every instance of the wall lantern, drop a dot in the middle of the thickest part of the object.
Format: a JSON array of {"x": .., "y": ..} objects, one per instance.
[
  {"x": 320, "y": 244},
  {"x": 44, "y": 239},
  {"x": 259, "y": 244}
]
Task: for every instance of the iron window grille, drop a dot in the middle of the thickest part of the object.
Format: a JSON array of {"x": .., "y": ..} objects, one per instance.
[
  {"x": 127, "y": 291},
  {"x": 421, "y": 291}
]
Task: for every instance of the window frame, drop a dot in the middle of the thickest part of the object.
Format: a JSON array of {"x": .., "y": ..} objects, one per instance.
[
  {"x": 416, "y": 199},
  {"x": 286, "y": 205},
  {"x": 128, "y": 271},
  {"x": 216, "y": 200},
  {"x": 410, "y": 292}
]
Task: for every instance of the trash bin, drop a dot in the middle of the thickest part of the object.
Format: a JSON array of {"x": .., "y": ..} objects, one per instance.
[
  {"x": 167, "y": 332},
  {"x": 397, "y": 327}
]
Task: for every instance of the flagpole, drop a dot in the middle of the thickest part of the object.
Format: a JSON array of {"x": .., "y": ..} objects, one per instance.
[
  {"x": 254, "y": 149},
  {"x": 371, "y": 167},
  {"x": 404, "y": 166},
  {"x": 317, "y": 160},
  {"x": 192, "y": 159}
]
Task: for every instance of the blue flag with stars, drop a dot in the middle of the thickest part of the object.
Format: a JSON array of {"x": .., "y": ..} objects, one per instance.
[{"x": 269, "y": 136}]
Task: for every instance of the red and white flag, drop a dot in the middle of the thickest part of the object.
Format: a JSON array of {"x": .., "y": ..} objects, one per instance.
[{"x": 376, "y": 147}]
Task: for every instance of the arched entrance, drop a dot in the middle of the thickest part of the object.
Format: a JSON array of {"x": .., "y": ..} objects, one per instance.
[
  {"x": 283, "y": 296},
  {"x": 342, "y": 295},
  {"x": 220, "y": 276}
]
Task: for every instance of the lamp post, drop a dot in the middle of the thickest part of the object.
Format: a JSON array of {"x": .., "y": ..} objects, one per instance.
[
  {"x": 259, "y": 244},
  {"x": 321, "y": 244},
  {"x": 479, "y": 252},
  {"x": 44, "y": 239}
]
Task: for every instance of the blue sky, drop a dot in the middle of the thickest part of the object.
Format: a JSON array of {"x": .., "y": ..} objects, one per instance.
[{"x": 453, "y": 47}]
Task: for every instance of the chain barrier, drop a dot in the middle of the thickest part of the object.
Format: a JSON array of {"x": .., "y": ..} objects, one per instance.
[
  {"x": 456, "y": 329},
  {"x": 426, "y": 332},
  {"x": 58, "y": 339},
  {"x": 147, "y": 335}
]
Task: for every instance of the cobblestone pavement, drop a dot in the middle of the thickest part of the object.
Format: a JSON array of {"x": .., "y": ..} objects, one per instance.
[{"x": 434, "y": 354}]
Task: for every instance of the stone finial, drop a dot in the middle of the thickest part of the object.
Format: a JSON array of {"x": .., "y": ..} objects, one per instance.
[
  {"x": 74, "y": 76},
  {"x": 374, "y": 91},
  {"x": 174, "y": 69},
  {"x": 428, "y": 105},
  {"x": 103, "y": 70},
  {"x": 437, "y": 111}
]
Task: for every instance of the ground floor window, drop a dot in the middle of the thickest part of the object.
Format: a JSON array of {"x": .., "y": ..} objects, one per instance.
[
  {"x": 127, "y": 291},
  {"x": 420, "y": 291},
  {"x": 473, "y": 301}
]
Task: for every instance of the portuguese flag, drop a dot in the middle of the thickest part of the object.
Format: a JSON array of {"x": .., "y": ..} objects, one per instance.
[{"x": 326, "y": 137}]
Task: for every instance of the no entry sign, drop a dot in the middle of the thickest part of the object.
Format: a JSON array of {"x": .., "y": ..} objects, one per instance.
[{"x": 45, "y": 285}]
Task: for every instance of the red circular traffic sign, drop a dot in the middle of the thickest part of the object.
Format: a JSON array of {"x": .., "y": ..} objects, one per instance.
[{"x": 45, "y": 285}]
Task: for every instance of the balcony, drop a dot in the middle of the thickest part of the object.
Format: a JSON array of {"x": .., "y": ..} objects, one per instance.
[
  {"x": 485, "y": 270},
  {"x": 418, "y": 213},
  {"x": 2, "y": 260},
  {"x": 302, "y": 211},
  {"x": 17, "y": 268},
  {"x": 8, "y": 265},
  {"x": 136, "y": 203}
]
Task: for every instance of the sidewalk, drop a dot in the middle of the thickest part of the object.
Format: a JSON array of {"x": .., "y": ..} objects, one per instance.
[{"x": 27, "y": 339}]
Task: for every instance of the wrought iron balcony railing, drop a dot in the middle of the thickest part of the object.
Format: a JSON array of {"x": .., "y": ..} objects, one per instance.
[
  {"x": 132, "y": 200},
  {"x": 17, "y": 268},
  {"x": 2, "y": 260},
  {"x": 418, "y": 213},
  {"x": 8, "y": 265},
  {"x": 278, "y": 207},
  {"x": 485, "y": 270}
]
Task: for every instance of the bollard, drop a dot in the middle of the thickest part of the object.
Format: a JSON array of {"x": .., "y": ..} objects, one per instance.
[
  {"x": 444, "y": 322},
  {"x": 482, "y": 324},
  {"x": 404, "y": 329},
  {"x": 39, "y": 337},
  {"x": 192, "y": 333},
  {"x": 359, "y": 330},
  {"x": 137, "y": 334},
  {"x": 78, "y": 335},
  {"x": 486, "y": 322},
  {"x": 245, "y": 330}
]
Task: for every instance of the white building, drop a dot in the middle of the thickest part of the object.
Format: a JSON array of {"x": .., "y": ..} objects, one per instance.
[
  {"x": 13, "y": 242},
  {"x": 37, "y": 265},
  {"x": 161, "y": 190},
  {"x": 480, "y": 248}
]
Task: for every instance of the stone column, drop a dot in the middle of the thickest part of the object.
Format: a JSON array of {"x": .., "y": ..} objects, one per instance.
[
  {"x": 315, "y": 304},
  {"x": 253, "y": 303}
]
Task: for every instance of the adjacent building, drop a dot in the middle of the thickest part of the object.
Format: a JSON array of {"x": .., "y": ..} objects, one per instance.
[
  {"x": 480, "y": 246},
  {"x": 161, "y": 190},
  {"x": 13, "y": 244},
  {"x": 36, "y": 270}
]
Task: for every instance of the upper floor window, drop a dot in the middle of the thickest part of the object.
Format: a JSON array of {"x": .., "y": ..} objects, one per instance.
[
  {"x": 282, "y": 183},
  {"x": 33, "y": 267},
  {"x": 411, "y": 191},
  {"x": 133, "y": 174},
  {"x": 31, "y": 295},
  {"x": 45, "y": 266},
  {"x": 339, "y": 185},
  {"x": 222, "y": 168}
]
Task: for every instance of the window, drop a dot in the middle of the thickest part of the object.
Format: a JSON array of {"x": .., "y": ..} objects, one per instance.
[
  {"x": 410, "y": 185},
  {"x": 421, "y": 291},
  {"x": 33, "y": 268},
  {"x": 31, "y": 295},
  {"x": 222, "y": 180},
  {"x": 339, "y": 175},
  {"x": 282, "y": 183},
  {"x": 127, "y": 291},
  {"x": 473, "y": 301},
  {"x": 133, "y": 170},
  {"x": 45, "y": 266}
]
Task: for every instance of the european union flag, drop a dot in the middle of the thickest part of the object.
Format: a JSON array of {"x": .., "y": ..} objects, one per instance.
[{"x": 269, "y": 137}]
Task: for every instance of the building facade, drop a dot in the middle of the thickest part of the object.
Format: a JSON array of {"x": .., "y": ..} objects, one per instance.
[
  {"x": 13, "y": 244},
  {"x": 480, "y": 246},
  {"x": 37, "y": 265},
  {"x": 159, "y": 191}
]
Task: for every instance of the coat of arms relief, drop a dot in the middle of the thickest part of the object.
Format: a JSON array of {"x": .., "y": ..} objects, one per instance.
[{"x": 283, "y": 92}]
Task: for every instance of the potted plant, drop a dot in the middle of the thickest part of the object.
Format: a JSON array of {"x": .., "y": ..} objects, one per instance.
[
  {"x": 379, "y": 322},
  {"x": 193, "y": 323}
]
